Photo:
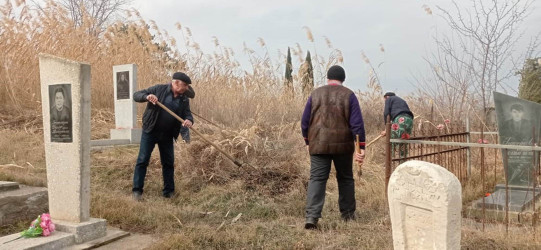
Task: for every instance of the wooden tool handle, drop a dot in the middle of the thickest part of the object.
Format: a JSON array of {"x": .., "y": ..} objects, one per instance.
[
  {"x": 357, "y": 141},
  {"x": 377, "y": 138}
]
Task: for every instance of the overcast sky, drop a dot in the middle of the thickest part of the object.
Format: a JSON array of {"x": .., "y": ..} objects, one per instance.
[{"x": 403, "y": 27}]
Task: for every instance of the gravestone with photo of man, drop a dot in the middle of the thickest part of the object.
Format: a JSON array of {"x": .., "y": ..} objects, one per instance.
[
  {"x": 65, "y": 95},
  {"x": 65, "y": 88},
  {"x": 518, "y": 124},
  {"x": 125, "y": 83}
]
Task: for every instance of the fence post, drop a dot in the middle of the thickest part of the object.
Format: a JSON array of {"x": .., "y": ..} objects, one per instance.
[
  {"x": 468, "y": 151},
  {"x": 534, "y": 164},
  {"x": 505, "y": 162},
  {"x": 483, "y": 186},
  {"x": 387, "y": 153}
]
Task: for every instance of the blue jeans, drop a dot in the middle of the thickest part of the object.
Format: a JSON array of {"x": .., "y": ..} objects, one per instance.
[{"x": 167, "y": 158}]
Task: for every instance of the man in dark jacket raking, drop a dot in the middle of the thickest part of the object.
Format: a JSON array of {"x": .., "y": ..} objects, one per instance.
[
  {"x": 160, "y": 127},
  {"x": 331, "y": 120}
]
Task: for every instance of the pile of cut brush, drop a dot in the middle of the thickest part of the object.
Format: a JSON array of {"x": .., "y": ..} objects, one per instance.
[{"x": 273, "y": 157}]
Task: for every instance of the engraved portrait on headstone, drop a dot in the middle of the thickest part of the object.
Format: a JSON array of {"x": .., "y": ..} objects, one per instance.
[
  {"x": 517, "y": 129},
  {"x": 122, "y": 85},
  {"x": 518, "y": 124},
  {"x": 60, "y": 112}
]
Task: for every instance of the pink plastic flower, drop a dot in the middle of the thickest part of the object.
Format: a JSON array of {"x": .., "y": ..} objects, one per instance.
[
  {"x": 401, "y": 120},
  {"x": 46, "y": 217},
  {"x": 44, "y": 224},
  {"x": 52, "y": 227},
  {"x": 46, "y": 232},
  {"x": 440, "y": 126},
  {"x": 394, "y": 126},
  {"x": 447, "y": 121}
]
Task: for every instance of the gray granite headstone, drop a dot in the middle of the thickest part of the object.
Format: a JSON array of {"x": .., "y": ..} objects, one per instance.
[{"x": 66, "y": 126}]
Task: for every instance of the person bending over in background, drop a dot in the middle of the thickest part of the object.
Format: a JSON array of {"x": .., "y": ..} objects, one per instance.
[{"x": 401, "y": 118}]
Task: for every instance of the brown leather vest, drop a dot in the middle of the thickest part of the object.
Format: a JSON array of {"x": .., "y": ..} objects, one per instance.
[{"x": 329, "y": 131}]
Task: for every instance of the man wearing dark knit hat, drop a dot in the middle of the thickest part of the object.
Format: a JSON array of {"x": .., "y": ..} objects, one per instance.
[
  {"x": 401, "y": 117},
  {"x": 331, "y": 120},
  {"x": 160, "y": 127}
]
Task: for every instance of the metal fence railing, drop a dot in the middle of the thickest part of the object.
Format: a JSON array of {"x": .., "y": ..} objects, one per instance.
[{"x": 453, "y": 152}]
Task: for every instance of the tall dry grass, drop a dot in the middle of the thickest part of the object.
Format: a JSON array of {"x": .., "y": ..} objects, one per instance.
[{"x": 258, "y": 124}]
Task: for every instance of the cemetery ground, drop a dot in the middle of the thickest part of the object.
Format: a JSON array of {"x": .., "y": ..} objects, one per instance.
[{"x": 219, "y": 205}]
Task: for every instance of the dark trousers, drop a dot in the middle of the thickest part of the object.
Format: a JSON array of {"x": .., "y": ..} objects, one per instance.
[
  {"x": 167, "y": 158},
  {"x": 320, "y": 167}
]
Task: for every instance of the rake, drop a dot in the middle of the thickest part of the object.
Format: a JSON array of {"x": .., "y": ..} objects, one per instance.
[{"x": 228, "y": 156}]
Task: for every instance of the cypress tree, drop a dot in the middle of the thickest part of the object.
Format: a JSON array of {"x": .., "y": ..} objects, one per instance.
[
  {"x": 288, "y": 83},
  {"x": 308, "y": 75},
  {"x": 289, "y": 67}
]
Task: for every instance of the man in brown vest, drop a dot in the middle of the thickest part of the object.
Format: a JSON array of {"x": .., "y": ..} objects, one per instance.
[{"x": 331, "y": 120}]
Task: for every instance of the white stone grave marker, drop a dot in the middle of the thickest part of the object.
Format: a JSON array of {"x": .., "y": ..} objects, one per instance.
[
  {"x": 125, "y": 84},
  {"x": 425, "y": 202}
]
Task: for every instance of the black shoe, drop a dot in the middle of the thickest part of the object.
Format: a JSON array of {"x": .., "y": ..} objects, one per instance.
[
  {"x": 169, "y": 195},
  {"x": 137, "y": 196},
  {"x": 348, "y": 216},
  {"x": 311, "y": 223}
]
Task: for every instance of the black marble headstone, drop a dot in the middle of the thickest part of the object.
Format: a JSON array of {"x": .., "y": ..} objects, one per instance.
[{"x": 518, "y": 124}]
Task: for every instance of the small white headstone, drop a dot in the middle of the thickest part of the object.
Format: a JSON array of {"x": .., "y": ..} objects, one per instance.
[
  {"x": 125, "y": 83},
  {"x": 425, "y": 202}
]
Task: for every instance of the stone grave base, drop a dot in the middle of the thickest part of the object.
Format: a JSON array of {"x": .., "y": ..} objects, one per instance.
[
  {"x": 84, "y": 231},
  {"x": 98, "y": 144},
  {"x": 111, "y": 236},
  {"x": 20, "y": 202},
  {"x": 60, "y": 240},
  {"x": 521, "y": 201},
  {"x": 134, "y": 134},
  {"x": 57, "y": 240}
]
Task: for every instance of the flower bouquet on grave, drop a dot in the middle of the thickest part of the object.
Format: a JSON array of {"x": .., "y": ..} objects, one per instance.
[{"x": 41, "y": 226}]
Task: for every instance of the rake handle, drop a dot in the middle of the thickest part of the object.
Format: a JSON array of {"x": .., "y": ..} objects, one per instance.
[
  {"x": 201, "y": 135},
  {"x": 377, "y": 138},
  {"x": 357, "y": 149},
  {"x": 202, "y": 118}
]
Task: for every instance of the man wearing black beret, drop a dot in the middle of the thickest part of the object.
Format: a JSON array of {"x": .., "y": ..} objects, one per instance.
[{"x": 160, "y": 127}]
